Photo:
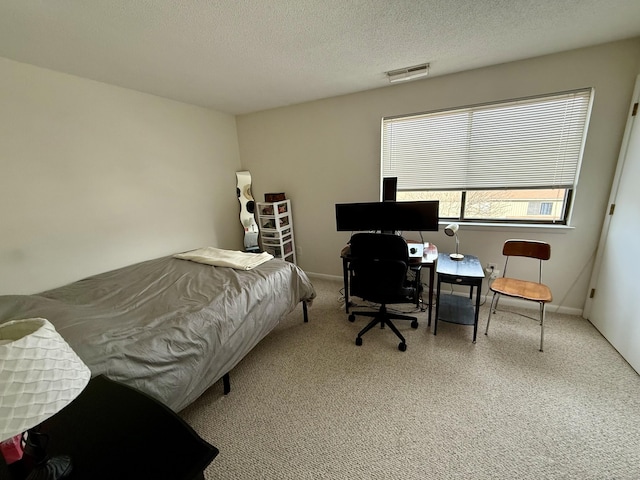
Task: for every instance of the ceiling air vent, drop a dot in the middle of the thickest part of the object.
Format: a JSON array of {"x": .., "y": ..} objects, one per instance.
[{"x": 408, "y": 73}]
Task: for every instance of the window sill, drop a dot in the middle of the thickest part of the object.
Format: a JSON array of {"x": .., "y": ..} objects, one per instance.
[{"x": 509, "y": 226}]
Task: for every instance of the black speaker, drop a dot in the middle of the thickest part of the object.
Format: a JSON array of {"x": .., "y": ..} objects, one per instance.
[{"x": 389, "y": 187}]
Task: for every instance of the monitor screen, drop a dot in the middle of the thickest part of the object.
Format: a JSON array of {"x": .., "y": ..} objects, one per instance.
[{"x": 388, "y": 216}]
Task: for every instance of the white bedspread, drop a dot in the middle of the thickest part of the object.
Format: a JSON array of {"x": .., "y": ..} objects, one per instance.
[{"x": 225, "y": 258}]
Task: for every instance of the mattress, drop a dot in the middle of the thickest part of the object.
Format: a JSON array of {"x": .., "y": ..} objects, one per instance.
[{"x": 168, "y": 327}]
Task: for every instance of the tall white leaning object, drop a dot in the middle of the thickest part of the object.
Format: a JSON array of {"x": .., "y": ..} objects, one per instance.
[{"x": 247, "y": 208}]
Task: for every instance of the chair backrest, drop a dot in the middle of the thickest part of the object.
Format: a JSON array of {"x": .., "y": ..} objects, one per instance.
[
  {"x": 526, "y": 248},
  {"x": 379, "y": 264},
  {"x": 379, "y": 245}
]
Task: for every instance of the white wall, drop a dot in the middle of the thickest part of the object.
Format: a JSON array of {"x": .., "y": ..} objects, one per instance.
[
  {"x": 94, "y": 177},
  {"x": 324, "y": 152}
]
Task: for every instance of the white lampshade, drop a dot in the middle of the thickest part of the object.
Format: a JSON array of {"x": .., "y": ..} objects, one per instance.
[
  {"x": 39, "y": 374},
  {"x": 451, "y": 229}
]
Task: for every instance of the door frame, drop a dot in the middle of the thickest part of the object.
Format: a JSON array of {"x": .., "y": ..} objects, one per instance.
[{"x": 595, "y": 273}]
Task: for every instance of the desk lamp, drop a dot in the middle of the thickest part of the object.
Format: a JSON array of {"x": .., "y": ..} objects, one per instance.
[
  {"x": 452, "y": 230},
  {"x": 39, "y": 375}
]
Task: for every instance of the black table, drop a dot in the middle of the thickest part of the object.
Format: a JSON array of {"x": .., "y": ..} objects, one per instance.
[
  {"x": 112, "y": 431},
  {"x": 455, "y": 308}
]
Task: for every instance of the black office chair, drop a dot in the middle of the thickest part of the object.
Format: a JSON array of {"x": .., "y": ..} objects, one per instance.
[{"x": 378, "y": 273}]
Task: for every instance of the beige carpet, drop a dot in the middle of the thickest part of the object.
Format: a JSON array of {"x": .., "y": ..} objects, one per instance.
[{"x": 307, "y": 403}]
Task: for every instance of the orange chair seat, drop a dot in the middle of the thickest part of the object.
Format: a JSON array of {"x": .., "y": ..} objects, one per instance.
[{"x": 512, "y": 287}]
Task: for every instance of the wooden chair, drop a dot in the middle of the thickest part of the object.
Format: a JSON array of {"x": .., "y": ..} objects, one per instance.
[{"x": 526, "y": 290}]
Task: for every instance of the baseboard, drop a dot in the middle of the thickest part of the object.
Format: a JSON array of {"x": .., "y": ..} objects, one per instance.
[
  {"x": 324, "y": 276},
  {"x": 512, "y": 302}
]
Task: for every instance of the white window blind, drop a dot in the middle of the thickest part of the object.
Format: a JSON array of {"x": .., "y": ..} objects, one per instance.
[{"x": 525, "y": 143}]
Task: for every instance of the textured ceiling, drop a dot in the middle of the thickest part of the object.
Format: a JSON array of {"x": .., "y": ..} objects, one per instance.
[{"x": 240, "y": 56}]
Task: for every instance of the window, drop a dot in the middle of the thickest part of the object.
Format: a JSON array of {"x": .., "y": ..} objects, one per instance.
[
  {"x": 515, "y": 161},
  {"x": 546, "y": 208}
]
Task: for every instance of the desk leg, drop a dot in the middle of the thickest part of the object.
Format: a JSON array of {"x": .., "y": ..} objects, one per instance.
[
  {"x": 345, "y": 275},
  {"x": 475, "y": 323},
  {"x": 435, "y": 324},
  {"x": 418, "y": 285},
  {"x": 431, "y": 279}
]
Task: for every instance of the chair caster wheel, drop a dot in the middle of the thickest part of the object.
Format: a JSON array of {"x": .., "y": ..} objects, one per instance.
[
  {"x": 414, "y": 324},
  {"x": 358, "y": 341},
  {"x": 402, "y": 347},
  {"x": 352, "y": 318}
]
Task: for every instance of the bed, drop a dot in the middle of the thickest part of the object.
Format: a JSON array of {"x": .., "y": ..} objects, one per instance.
[{"x": 168, "y": 327}]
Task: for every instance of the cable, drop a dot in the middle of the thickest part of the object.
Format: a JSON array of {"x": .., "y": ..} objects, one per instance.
[
  {"x": 488, "y": 285},
  {"x": 487, "y": 294}
]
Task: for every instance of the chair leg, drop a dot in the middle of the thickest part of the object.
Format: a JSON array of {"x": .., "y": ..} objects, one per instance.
[
  {"x": 395, "y": 330},
  {"x": 541, "y": 325},
  {"x": 383, "y": 317},
  {"x": 491, "y": 308},
  {"x": 495, "y": 307},
  {"x": 369, "y": 326}
]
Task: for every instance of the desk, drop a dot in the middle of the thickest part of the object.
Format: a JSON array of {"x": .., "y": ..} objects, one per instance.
[
  {"x": 416, "y": 264},
  {"x": 112, "y": 431},
  {"x": 455, "y": 308}
]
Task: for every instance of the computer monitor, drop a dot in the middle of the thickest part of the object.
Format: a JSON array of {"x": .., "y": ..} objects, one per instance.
[{"x": 417, "y": 216}]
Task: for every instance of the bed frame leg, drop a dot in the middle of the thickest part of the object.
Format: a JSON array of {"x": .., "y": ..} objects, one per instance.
[
  {"x": 226, "y": 382},
  {"x": 304, "y": 310}
]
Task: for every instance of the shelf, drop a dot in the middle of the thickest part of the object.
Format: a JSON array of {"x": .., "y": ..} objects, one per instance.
[
  {"x": 273, "y": 209},
  {"x": 275, "y": 235},
  {"x": 456, "y": 309},
  {"x": 276, "y": 229}
]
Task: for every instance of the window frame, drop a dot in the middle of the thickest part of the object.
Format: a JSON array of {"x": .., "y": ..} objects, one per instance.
[
  {"x": 564, "y": 221},
  {"x": 564, "y": 216}
]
